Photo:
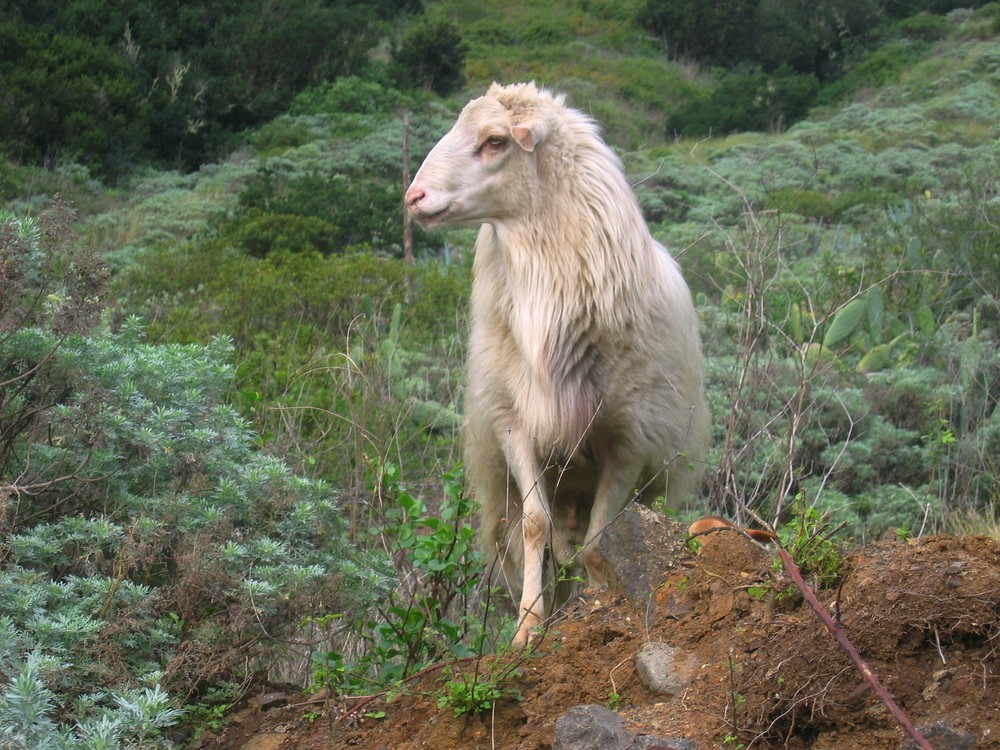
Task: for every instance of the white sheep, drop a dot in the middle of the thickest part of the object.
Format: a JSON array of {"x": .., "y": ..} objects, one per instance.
[{"x": 584, "y": 366}]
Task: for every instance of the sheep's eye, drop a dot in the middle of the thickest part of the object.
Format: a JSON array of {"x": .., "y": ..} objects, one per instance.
[{"x": 493, "y": 143}]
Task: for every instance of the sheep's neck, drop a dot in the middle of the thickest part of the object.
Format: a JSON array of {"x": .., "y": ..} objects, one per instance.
[{"x": 571, "y": 279}]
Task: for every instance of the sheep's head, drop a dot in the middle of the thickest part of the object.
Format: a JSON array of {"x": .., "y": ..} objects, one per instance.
[{"x": 484, "y": 169}]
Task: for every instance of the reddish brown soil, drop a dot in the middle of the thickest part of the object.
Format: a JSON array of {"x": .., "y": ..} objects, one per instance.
[{"x": 924, "y": 614}]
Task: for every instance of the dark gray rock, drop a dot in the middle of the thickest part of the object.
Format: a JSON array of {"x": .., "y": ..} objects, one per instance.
[
  {"x": 591, "y": 727},
  {"x": 641, "y": 547},
  {"x": 943, "y": 736}
]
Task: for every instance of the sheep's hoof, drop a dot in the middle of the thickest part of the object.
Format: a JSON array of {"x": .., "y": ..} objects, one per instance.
[
  {"x": 528, "y": 631},
  {"x": 525, "y": 638}
]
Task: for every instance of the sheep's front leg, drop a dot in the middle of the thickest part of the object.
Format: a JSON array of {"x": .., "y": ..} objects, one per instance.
[
  {"x": 535, "y": 529},
  {"x": 614, "y": 491}
]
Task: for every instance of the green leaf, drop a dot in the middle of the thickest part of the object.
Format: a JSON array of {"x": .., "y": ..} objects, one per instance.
[
  {"x": 844, "y": 322},
  {"x": 795, "y": 323},
  {"x": 861, "y": 341},
  {"x": 876, "y": 360},
  {"x": 817, "y": 355},
  {"x": 923, "y": 318},
  {"x": 875, "y": 310}
]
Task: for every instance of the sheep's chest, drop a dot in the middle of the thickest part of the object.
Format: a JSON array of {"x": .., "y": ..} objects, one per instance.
[
  {"x": 535, "y": 341},
  {"x": 555, "y": 396}
]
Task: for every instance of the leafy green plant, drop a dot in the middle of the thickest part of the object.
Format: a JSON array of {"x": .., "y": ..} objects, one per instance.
[
  {"x": 327, "y": 665},
  {"x": 442, "y": 561},
  {"x": 208, "y": 713},
  {"x": 810, "y": 540},
  {"x": 438, "y": 611},
  {"x": 736, "y": 701},
  {"x": 472, "y": 694}
]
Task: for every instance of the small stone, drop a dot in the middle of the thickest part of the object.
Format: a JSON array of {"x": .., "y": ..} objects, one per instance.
[
  {"x": 271, "y": 700},
  {"x": 664, "y": 669},
  {"x": 529, "y": 728}
]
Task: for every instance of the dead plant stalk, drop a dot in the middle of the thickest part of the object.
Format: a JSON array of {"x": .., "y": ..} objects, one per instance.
[{"x": 862, "y": 666}]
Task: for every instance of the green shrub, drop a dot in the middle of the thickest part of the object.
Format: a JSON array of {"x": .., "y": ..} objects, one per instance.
[
  {"x": 61, "y": 91},
  {"x": 346, "y": 95},
  {"x": 114, "y": 84},
  {"x": 924, "y": 27},
  {"x": 206, "y": 288},
  {"x": 819, "y": 206},
  {"x": 260, "y": 234},
  {"x": 352, "y": 211},
  {"x": 808, "y": 39},
  {"x": 166, "y": 470},
  {"x": 747, "y": 100},
  {"x": 161, "y": 551},
  {"x": 715, "y": 34},
  {"x": 279, "y": 135},
  {"x": 808, "y": 203},
  {"x": 430, "y": 56},
  {"x": 438, "y": 611},
  {"x": 477, "y": 692},
  {"x": 807, "y": 538},
  {"x": 350, "y": 355},
  {"x": 46, "y": 280},
  {"x": 30, "y": 715},
  {"x": 900, "y": 507},
  {"x": 861, "y": 366},
  {"x": 873, "y": 69}
]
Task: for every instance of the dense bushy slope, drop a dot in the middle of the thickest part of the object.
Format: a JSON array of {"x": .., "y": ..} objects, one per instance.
[{"x": 846, "y": 271}]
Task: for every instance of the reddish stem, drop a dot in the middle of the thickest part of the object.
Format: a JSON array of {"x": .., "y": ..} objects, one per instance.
[{"x": 837, "y": 632}]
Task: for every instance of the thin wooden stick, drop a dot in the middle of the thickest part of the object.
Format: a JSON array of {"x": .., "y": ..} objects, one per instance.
[
  {"x": 837, "y": 632},
  {"x": 367, "y": 699}
]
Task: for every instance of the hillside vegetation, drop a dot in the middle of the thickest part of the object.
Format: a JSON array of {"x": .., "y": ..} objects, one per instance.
[{"x": 228, "y": 405}]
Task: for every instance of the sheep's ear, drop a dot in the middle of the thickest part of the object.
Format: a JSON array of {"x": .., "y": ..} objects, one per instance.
[{"x": 528, "y": 134}]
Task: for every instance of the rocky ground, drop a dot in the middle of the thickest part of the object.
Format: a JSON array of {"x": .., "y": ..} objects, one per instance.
[{"x": 690, "y": 653}]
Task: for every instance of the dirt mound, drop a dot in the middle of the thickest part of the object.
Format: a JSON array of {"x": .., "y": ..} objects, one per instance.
[{"x": 924, "y": 614}]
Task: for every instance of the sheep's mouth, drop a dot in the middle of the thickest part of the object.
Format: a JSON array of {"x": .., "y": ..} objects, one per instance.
[{"x": 428, "y": 219}]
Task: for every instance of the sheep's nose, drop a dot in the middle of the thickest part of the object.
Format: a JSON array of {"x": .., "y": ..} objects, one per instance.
[{"x": 413, "y": 196}]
